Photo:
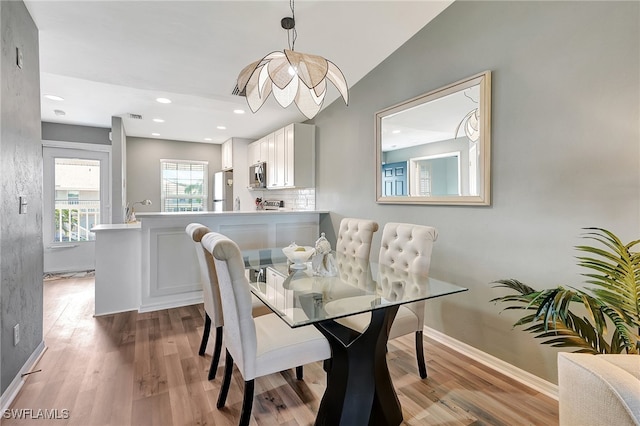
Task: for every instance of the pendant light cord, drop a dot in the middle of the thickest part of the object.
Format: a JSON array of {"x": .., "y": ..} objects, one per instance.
[{"x": 292, "y": 34}]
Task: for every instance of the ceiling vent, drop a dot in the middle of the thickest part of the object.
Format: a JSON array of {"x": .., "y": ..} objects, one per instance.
[
  {"x": 135, "y": 116},
  {"x": 236, "y": 91}
]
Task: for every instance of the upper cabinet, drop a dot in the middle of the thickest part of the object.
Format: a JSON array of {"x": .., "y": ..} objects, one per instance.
[
  {"x": 227, "y": 155},
  {"x": 290, "y": 156},
  {"x": 258, "y": 151},
  {"x": 293, "y": 158}
]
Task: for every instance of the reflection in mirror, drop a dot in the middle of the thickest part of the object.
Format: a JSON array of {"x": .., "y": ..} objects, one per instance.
[
  {"x": 436, "y": 175},
  {"x": 435, "y": 149}
]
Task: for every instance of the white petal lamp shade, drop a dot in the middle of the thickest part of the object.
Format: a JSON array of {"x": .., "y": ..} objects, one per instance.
[
  {"x": 471, "y": 123},
  {"x": 472, "y": 126},
  {"x": 291, "y": 77}
]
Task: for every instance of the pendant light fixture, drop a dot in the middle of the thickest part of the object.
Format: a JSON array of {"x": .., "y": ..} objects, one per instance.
[
  {"x": 291, "y": 76},
  {"x": 471, "y": 123}
]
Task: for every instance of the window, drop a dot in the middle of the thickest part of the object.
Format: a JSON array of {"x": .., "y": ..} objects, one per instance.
[
  {"x": 424, "y": 179},
  {"x": 76, "y": 199},
  {"x": 183, "y": 185}
]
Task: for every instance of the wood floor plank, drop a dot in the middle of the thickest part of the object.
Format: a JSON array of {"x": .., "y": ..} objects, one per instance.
[
  {"x": 152, "y": 410},
  {"x": 144, "y": 369}
]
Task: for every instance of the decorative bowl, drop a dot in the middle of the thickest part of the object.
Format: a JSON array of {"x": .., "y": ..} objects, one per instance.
[{"x": 298, "y": 255}]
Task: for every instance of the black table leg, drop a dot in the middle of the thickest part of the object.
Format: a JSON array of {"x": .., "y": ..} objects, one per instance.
[{"x": 359, "y": 388}]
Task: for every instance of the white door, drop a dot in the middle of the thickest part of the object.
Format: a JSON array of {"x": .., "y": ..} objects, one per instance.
[{"x": 76, "y": 198}]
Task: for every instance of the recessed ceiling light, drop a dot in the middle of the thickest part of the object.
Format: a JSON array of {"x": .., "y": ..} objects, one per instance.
[
  {"x": 158, "y": 120},
  {"x": 208, "y": 139},
  {"x": 163, "y": 100},
  {"x": 238, "y": 111},
  {"x": 155, "y": 134},
  {"x": 54, "y": 97},
  {"x": 59, "y": 112},
  {"x": 221, "y": 127},
  {"x": 396, "y": 132}
]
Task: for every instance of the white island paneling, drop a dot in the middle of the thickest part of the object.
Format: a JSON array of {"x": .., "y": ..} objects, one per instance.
[
  {"x": 167, "y": 273},
  {"x": 117, "y": 265}
]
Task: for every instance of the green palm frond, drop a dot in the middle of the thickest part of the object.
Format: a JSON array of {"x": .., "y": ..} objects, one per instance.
[
  {"x": 576, "y": 332},
  {"x": 623, "y": 337},
  {"x": 617, "y": 273},
  {"x": 514, "y": 285},
  {"x": 613, "y": 299}
]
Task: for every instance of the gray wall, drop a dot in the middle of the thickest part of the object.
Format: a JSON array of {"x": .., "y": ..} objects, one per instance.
[
  {"x": 72, "y": 133},
  {"x": 21, "y": 165},
  {"x": 565, "y": 132},
  {"x": 118, "y": 170},
  {"x": 143, "y": 166}
]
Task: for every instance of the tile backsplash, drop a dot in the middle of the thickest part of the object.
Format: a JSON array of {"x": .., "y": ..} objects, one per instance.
[{"x": 295, "y": 199}]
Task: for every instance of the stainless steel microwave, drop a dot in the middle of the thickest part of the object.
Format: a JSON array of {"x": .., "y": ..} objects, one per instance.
[{"x": 258, "y": 175}]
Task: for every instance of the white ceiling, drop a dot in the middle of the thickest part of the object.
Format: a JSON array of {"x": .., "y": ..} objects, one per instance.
[
  {"x": 434, "y": 120},
  {"x": 113, "y": 58}
]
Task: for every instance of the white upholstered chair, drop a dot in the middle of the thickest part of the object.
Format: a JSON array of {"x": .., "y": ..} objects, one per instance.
[
  {"x": 354, "y": 237},
  {"x": 405, "y": 249},
  {"x": 211, "y": 296},
  {"x": 261, "y": 345},
  {"x": 353, "y": 248}
]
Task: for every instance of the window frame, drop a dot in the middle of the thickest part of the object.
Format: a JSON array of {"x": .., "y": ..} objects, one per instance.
[{"x": 205, "y": 184}]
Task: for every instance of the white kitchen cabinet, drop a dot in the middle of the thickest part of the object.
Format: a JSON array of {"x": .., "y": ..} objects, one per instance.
[
  {"x": 305, "y": 161},
  {"x": 271, "y": 159},
  {"x": 258, "y": 151},
  {"x": 279, "y": 160},
  {"x": 276, "y": 293},
  {"x": 253, "y": 152},
  {"x": 274, "y": 281},
  {"x": 291, "y": 159},
  {"x": 227, "y": 155},
  {"x": 234, "y": 156}
]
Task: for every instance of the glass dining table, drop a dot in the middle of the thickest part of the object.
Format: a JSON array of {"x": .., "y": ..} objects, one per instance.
[{"x": 359, "y": 389}]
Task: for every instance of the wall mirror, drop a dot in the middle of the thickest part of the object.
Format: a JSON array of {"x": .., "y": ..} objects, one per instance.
[{"x": 436, "y": 148}]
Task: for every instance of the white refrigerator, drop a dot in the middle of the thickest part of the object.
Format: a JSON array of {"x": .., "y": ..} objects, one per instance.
[{"x": 223, "y": 191}]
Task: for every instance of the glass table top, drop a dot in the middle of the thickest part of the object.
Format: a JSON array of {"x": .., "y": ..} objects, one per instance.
[{"x": 301, "y": 297}]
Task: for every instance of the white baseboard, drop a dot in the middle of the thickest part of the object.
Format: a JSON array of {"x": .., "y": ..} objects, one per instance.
[
  {"x": 101, "y": 314},
  {"x": 150, "y": 307},
  {"x": 16, "y": 384},
  {"x": 534, "y": 382}
]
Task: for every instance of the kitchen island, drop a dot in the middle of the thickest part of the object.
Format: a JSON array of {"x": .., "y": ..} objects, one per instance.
[{"x": 168, "y": 274}]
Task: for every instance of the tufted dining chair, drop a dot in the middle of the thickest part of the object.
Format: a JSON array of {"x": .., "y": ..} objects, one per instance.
[
  {"x": 354, "y": 237},
  {"x": 353, "y": 248},
  {"x": 405, "y": 250},
  {"x": 258, "y": 346},
  {"x": 211, "y": 296}
]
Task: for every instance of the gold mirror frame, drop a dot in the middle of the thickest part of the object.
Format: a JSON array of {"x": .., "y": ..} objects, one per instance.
[{"x": 479, "y": 84}]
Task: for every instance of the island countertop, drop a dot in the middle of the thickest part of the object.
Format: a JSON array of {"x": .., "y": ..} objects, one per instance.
[
  {"x": 154, "y": 215},
  {"x": 116, "y": 226}
]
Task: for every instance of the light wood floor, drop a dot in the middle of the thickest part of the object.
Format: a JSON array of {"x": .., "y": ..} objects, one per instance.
[{"x": 143, "y": 369}]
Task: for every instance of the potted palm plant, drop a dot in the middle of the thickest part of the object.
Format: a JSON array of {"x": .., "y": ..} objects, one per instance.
[{"x": 612, "y": 303}]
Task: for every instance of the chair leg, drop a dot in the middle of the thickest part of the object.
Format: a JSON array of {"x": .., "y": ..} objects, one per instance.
[
  {"x": 422, "y": 367},
  {"x": 247, "y": 403},
  {"x": 205, "y": 334},
  {"x": 226, "y": 381},
  {"x": 215, "y": 360},
  {"x": 299, "y": 372}
]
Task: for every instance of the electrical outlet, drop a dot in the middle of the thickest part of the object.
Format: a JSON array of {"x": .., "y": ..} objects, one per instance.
[{"x": 16, "y": 334}]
